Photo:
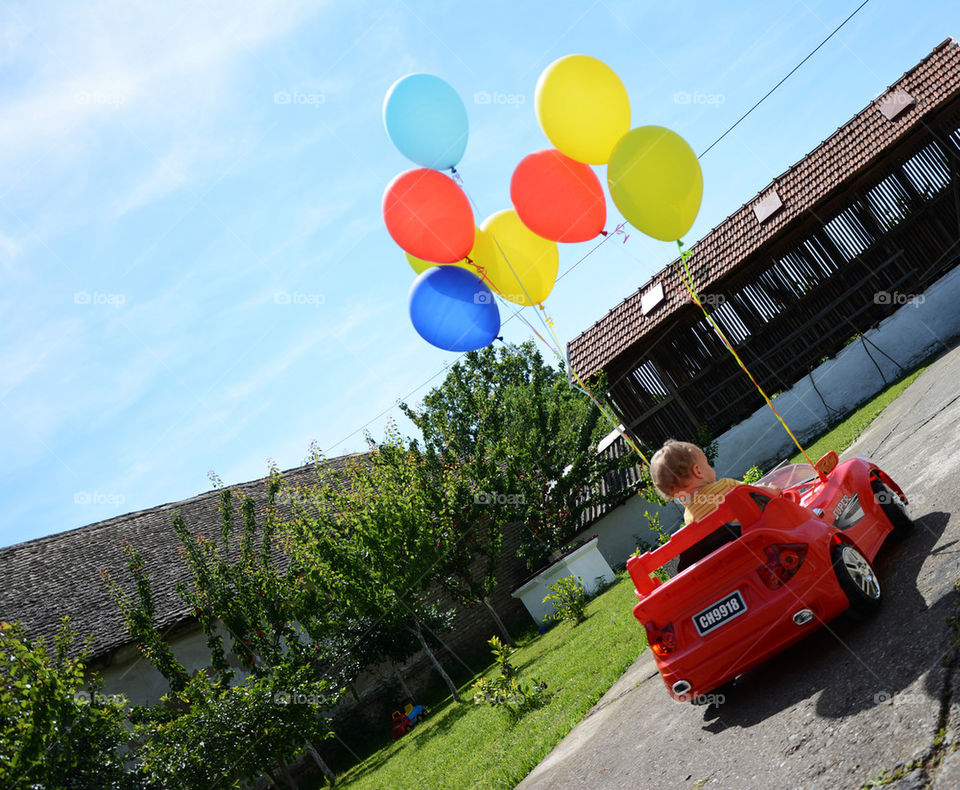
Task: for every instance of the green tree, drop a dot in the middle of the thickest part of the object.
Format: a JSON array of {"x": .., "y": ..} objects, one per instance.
[
  {"x": 214, "y": 734},
  {"x": 526, "y": 442},
  {"x": 245, "y": 587},
  {"x": 56, "y": 730},
  {"x": 372, "y": 536}
]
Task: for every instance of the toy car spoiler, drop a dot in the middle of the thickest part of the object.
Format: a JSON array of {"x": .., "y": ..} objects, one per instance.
[{"x": 744, "y": 504}]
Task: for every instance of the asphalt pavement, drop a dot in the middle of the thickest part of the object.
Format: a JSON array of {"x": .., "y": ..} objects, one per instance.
[{"x": 849, "y": 704}]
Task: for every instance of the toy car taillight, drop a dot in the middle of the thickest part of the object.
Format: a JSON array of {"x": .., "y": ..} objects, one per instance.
[
  {"x": 783, "y": 560},
  {"x": 663, "y": 641}
]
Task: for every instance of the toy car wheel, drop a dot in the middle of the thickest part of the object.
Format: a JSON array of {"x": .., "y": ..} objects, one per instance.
[
  {"x": 893, "y": 508},
  {"x": 857, "y": 579}
]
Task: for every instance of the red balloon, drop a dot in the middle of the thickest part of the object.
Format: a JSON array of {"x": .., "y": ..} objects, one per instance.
[
  {"x": 557, "y": 197},
  {"x": 429, "y": 216}
]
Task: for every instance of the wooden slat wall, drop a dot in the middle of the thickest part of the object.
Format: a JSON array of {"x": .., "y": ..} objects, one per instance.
[{"x": 802, "y": 298}]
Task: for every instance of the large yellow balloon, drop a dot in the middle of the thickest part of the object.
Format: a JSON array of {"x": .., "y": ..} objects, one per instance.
[
  {"x": 582, "y": 107},
  {"x": 656, "y": 182},
  {"x": 517, "y": 263}
]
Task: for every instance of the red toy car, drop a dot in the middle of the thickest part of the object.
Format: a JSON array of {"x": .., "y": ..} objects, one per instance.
[{"x": 761, "y": 572}]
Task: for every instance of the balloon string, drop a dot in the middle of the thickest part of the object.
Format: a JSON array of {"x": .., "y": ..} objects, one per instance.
[
  {"x": 548, "y": 322},
  {"x": 603, "y": 409},
  {"x": 530, "y": 301},
  {"x": 617, "y": 231},
  {"x": 526, "y": 295},
  {"x": 695, "y": 298},
  {"x": 483, "y": 276}
]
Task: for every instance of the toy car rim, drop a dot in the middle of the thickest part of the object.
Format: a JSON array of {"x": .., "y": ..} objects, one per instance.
[
  {"x": 857, "y": 579},
  {"x": 860, "y": 572}
]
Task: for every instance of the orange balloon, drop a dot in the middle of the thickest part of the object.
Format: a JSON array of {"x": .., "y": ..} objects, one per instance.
[
  {"x": 557, "y": 197},
  {"x": 429, "y": 216}
]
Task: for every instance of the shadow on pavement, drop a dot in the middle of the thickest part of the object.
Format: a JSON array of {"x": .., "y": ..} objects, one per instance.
[{"x": 856, "y": 666}]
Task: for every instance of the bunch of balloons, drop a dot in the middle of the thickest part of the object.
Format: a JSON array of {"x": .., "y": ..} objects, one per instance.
[{"x": 653, "y": 177}]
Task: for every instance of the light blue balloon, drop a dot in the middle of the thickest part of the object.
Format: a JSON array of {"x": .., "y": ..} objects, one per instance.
[
  {"x": 426, "y": 120},
  {"x": 453, "y": 309}
]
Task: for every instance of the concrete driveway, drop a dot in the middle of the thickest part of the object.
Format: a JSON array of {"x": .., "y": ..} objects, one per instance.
[{"x": 844, "y": 705}]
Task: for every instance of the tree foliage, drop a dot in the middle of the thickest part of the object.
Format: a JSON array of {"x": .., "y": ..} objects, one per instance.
[
  {"x": 373, "y": 535},
  {"x": 56, "y": 731},
  {"x": 526, "y": 442},
  {"x": 214, "y": 734},
  {"x": 218, "y": 725}
]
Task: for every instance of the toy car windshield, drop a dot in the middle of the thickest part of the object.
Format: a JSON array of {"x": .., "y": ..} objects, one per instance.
[{"x": 789, "y": 475}]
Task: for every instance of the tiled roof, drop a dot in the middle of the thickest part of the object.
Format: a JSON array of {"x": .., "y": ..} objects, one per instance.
[
  {"x": 933, "y": 83},
  {"x": 44, "y": 579}
]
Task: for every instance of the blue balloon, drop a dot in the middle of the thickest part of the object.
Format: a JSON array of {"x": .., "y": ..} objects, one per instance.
[
  {"x": 453, "y": 309},
  {"x": 426, "y": 120}
]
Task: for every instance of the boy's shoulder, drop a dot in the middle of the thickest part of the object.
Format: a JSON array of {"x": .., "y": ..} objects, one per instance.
[{"x": 722, "y": 485}]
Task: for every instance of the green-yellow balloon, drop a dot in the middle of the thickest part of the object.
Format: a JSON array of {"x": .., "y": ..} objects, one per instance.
[
  {"x": 419, "y": 265},
  {"x": 513, "y": 260},
  {"x": 582, "y": 107},
  {"x": 656, "y": 182}
]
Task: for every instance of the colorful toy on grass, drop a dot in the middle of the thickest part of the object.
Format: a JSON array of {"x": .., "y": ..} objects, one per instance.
[
  {"x": 404, "y": 721},
  {"x": 760, "y": 573}
]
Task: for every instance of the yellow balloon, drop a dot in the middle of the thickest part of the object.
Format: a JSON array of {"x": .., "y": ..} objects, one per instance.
[
  {"x": 656, "y": 182},
  {"x": 419, "y": 265},
  {"x": 582, "y": 107},
  {"x": 517, "y": 263}
]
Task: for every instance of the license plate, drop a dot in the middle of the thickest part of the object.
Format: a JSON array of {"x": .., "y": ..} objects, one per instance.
[{"x": 719, "y": 613}]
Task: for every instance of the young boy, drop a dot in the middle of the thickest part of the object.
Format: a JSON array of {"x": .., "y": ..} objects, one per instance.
[{"x": 680, "y": 469}]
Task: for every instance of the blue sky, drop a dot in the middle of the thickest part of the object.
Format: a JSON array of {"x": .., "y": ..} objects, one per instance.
[{"x": 195, "y": 274}]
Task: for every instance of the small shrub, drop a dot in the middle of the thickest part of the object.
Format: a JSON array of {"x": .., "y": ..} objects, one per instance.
[
  {"x": 662, "y": 537},
  {"x": 653, "y": 519},
  {"x": 753, "y": 474},
  {"x": 569, "y": 599},
  {"x": 506, "y": 690}
]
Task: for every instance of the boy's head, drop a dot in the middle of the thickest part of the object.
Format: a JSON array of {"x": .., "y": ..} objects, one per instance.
[{"x": 678, "y": 468}]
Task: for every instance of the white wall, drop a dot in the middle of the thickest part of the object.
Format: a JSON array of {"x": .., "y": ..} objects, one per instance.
[
  {"x": 586, "y": 562},
  {"x": 846, "y": 381},
  {"x": 623, "y": 527},
  {"x": 133, "y": 676}
]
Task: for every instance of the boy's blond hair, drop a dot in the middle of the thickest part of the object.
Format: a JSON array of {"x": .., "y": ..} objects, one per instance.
[{"x": 672, "y": 464}]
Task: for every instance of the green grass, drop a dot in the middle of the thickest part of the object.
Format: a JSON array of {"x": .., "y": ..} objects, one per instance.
[
  {"x": 475, "y": 746},
  {"x": 842, "y": 435}
]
